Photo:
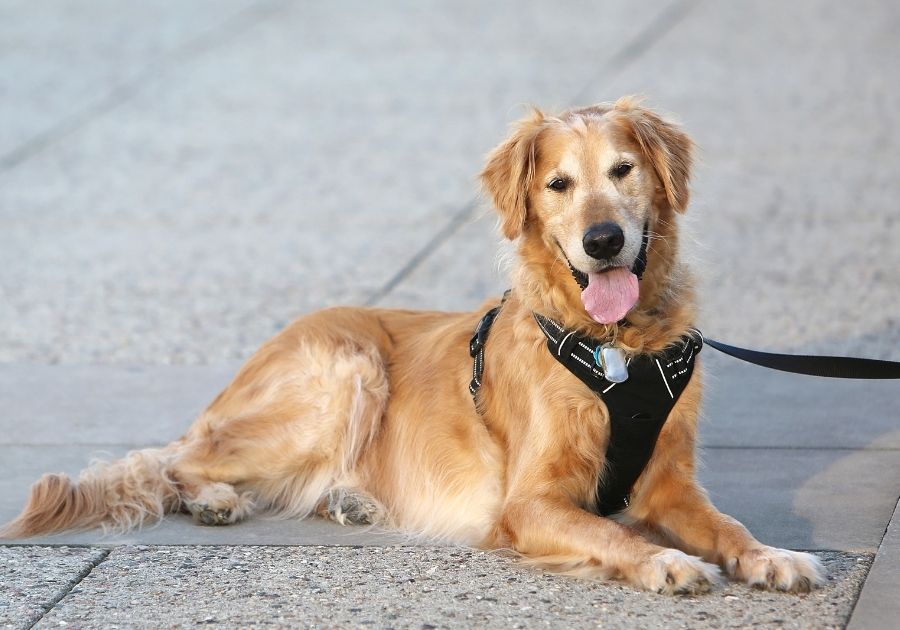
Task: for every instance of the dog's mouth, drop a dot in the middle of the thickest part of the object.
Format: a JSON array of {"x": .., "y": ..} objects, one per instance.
[{"x": 610, "y": 293}]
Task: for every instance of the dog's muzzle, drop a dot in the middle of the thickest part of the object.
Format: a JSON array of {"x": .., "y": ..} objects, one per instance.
[{"x": 640, "y": 263}]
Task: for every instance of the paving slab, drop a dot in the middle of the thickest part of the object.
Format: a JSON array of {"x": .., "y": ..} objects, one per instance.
[
  {"x": 816, "y": 499},
  {"x": 749, "y": 406},
  {"x": 115, "y": 405},
  {"x": 469, "y": 267},
  {"x": 799, "y": 499},
  {"x": 795, "y": 498},
  {"x": 25, "y": 464},
  {"x": 33, "y": 579},
  {"x": 805, "y": 498},
  {"x": 410, "y": 587},
  {"x": 60, "y": 60}
]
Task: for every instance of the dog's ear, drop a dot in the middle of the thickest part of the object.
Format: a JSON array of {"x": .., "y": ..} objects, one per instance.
[
  {"x": 509, "y": 171},
  {"x": 668, "y": 148}
]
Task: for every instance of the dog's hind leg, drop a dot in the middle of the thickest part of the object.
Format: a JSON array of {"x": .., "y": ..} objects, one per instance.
[{"x": 290, "y": 427}]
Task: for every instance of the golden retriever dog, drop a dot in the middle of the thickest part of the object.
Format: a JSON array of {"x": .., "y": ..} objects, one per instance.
[{"x": 364, "y": 415}]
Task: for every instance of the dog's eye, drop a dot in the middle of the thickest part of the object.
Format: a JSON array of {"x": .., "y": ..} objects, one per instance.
[
  {"x": 558, "y": 184},
  {"x": 621, "y": 170}
]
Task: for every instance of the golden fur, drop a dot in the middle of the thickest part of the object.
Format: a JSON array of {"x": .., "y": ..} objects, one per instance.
[{"x": 364, "y": 415}]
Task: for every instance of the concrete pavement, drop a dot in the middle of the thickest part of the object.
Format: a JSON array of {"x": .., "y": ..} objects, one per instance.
[
  {"x": 417, "y": 587},
  {"x": 179, "y": 181}
]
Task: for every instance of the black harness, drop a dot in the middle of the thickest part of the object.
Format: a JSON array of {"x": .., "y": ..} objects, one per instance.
[{"x": 638, "y": 407}]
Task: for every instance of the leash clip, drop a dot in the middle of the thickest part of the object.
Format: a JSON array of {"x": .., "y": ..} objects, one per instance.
[{"x": 611, "y": 360}]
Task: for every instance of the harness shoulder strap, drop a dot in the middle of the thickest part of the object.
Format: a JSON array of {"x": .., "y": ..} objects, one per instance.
[{"x": 477, "y": 343}]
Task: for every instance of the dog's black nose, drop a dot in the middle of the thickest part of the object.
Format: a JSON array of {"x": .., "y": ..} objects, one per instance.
[{"x": 603, "y": 240}]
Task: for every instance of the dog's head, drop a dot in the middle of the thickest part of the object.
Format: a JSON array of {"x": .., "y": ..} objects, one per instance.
[{"x": 591, "y": 195}]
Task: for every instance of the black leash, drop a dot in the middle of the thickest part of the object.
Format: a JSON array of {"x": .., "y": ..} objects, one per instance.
[{"x": 812, "y": 365}]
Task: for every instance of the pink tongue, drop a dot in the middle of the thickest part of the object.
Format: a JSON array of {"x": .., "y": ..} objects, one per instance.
[{"x": 610, "y": 295}]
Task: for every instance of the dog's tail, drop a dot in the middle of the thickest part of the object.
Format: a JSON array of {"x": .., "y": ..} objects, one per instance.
[{"x": 116, "y": 496}]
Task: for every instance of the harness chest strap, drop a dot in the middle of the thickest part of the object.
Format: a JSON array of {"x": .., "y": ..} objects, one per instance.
[{"x": 638, "y": 408}]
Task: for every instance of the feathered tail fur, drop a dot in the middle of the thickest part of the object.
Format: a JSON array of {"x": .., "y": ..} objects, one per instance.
[{"x": 115, "y": 496}]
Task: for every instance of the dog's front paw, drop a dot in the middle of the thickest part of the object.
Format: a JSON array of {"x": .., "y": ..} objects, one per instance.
[
  {"x": 777, "y": 569},
  {"x": 674, "y": 572}
]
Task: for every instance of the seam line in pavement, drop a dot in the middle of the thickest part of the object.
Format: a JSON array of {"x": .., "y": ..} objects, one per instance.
[
  {"x": 126, "y": 90},
  {"x": 633, "y": 50},
  {"x": 104, "y": 554},
  {"x": 862, "y": 586},
  {"x": 458, "y": 219},
  {"x": 621, "y": 59}
]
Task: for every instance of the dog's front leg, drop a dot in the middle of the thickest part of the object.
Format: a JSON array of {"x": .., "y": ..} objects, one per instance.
[
  {"x": 552, "y": 532},
  {"x": 669, "y": 501}
]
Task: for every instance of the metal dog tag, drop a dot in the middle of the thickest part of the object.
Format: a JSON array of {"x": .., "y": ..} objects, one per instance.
[{"x": 612, "y": 360}]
